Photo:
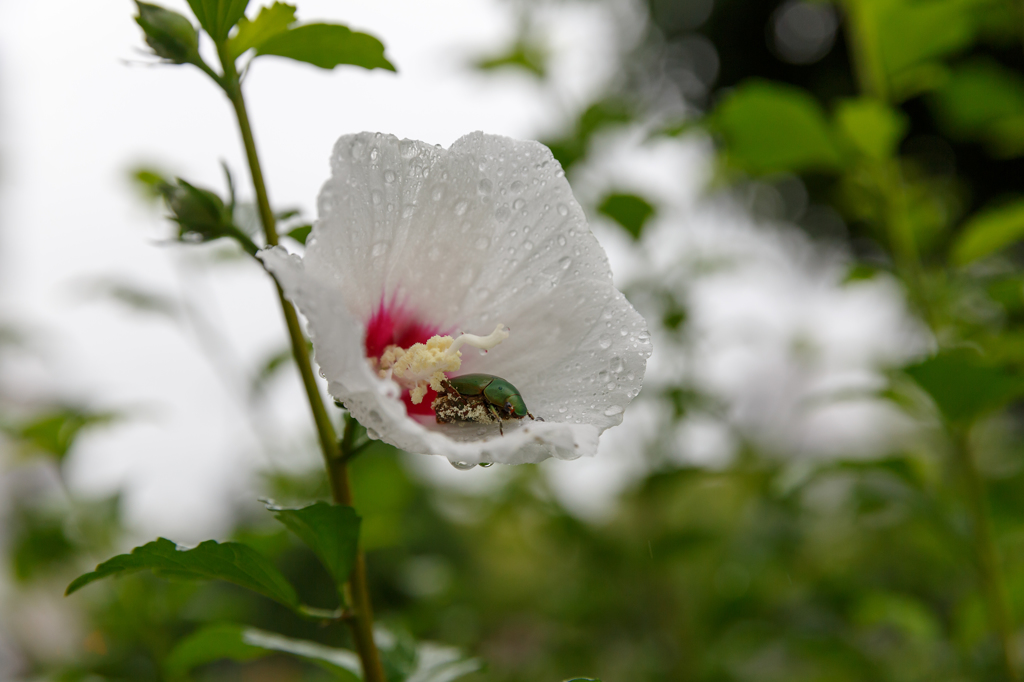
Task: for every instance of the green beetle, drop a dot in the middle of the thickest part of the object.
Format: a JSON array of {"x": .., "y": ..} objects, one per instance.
[{"x": 480, "y": 398}]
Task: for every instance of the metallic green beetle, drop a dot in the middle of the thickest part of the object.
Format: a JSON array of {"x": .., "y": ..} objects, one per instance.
[{"x": 500, "y": 400}]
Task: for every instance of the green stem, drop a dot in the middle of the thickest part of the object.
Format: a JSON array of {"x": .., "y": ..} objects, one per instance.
[
  {"x": 357, "y": 590},
  {"x": 987, "y": 553}
]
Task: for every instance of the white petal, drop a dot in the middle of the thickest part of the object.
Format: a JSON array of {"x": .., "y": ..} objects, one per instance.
[{"x": 485, "y": 232}]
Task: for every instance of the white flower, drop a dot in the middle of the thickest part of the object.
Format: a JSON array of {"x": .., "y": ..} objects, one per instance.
[{"x": 414, "y": 241}]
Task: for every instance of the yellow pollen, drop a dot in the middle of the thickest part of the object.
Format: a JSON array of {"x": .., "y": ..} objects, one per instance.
[{"x": 424, "y": 365}]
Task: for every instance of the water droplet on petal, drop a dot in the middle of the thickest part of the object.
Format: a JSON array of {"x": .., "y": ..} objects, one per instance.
[
  {"x": 563, "y": 409},
  {"x": 561, "y": 240},
  {"x": 462, "y": 466},
  {"x": 484, "y": 465},
  {"x": 436, "y": 194},
  {"x": 372, "y": 435},
  {"x": 518, "y": 203},
  {"x": 485, "y": 186},
  {"x": 613, "y": 410},
  {"x": 377, "y": 196},
  {"x": 563, "y": 210},
  {"x": 564, "y": 262},
  {"x": 389, "y": 176},
  {"x": 374, "y": 153},
  {"x": 516, "y": 187},
  {"x": 528, "y": 245},
  {"x": 407, "y": 148},
  {"x": 604, "y": 341},
  {"x": 460, "y": 207},
  {"x": 379, "y": 249}
]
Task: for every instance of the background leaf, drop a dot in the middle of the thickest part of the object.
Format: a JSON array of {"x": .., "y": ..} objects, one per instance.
[
  {"x": 330, "y": 530},
  {"x": 218, "y": 16},
  {"x": 230, "y": 561},
  {"x": 983, "y": 101},
  {"x": 327, "y": 46},
  {"x": 629, "y": 210},
  {"x": 772, "y": 128},
  {"x": 988, "y": 232},
  {"x": 963, "y": 387},
  {"x": 239, "y": 643},
  {"x": 873, "y": 127}
]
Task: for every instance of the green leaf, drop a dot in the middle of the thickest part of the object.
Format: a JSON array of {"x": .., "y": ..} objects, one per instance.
[
  {"x": 230, "y": 561},
  {"x": 269, "y": 22},
  {"x": 583, "y": 679},
  {"x": 170, "y": 34},
  {"x": 989, "y": 231},
  {"x": 911, "y": 32},
  {"x": 300, "y": 233},
  {"x": 53, "y": 433},
  {"x": 523, "y": 55},
  {"x": 983, "y": 101},
  {"x": 239, "y": 643},
  {"x": 768, "y": 127},
  {"x": 327, "y": 46},
  {"x": 217, "y": 17},
  {"x": 628, "y": 210},
  {"x": 872, "y": 127},
  {"x": 573, "y": 147},
  {"x": 331, "y": 531},
  {"x": 963, "y": 387}
]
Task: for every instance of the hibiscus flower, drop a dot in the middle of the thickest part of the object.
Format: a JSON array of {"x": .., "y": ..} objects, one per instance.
[{"x": 428, "y": 263}]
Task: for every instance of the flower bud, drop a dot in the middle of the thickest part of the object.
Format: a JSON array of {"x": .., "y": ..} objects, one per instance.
[
  {"x": 199, "y": 213},
  {"x": 170, "y": 34}
]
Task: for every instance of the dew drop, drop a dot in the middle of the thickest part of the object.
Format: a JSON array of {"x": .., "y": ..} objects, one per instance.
[
  {"x": 436, "y": 194},
  {"x": 374, "y": 153},
  {"x": 462, "y": 466},
  {"x": 563, "y": 409},
  {"x": 643, "y": 337},
  {"x": 485, "y": 186},
  {"x": 460, "y": 207},
  {"x": 482, "y": 243},
  {"x": 516, "y": 187},
  {"x": 564, "y": 262},
  {"x": 484, "y": 465},
  {"x": 563, "y": 210},
  {"x": 604, "y": 341},
  {"x": 389, "y": 176},
  {"x": 616, "y": 365},
  {"x": 502, "y": 213},
  {"x": 561, "y": 240},
  {"x": 518, "y": 203},
  {"x": 528, "y": 245},
  {"x": 408, "y": 210},
  {"x": 379, "y": 249},
  {"x": 613, "y": 410},
  {"x": 407, "y": 148},
  {"x": 377, "y": 196},
  {"x": 372, "y": 434}
]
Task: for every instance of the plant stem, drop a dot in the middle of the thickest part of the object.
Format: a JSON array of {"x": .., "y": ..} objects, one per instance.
[
  {"x": 987, "y": 553},
  {"x": 356, "y": 591}
]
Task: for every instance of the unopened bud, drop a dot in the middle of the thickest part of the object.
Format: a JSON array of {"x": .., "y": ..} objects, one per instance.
[{"x": 170, "y": 34}]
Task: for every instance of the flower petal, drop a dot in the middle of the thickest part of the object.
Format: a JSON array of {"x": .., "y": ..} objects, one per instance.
[{"x": 485, "y": 232}]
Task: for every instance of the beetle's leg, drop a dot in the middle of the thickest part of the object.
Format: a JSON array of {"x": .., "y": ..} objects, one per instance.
[
  {"x": 497, "y": 417},
  {"x": 536, "y": 419}
]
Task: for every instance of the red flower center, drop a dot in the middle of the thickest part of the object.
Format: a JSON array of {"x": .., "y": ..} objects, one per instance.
[{"x": 395, "y": 325}]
